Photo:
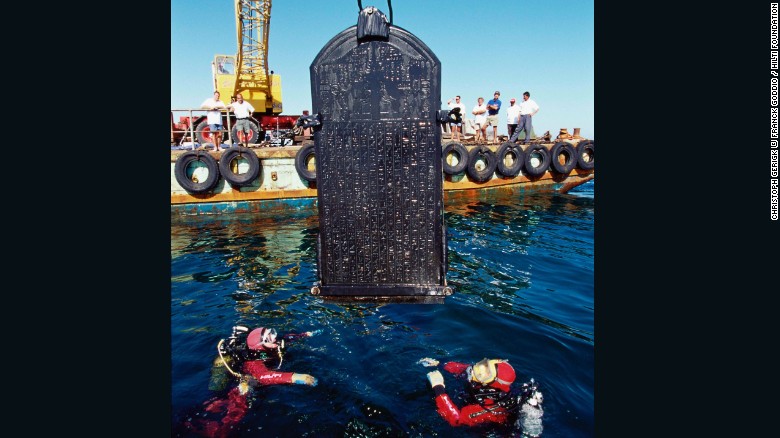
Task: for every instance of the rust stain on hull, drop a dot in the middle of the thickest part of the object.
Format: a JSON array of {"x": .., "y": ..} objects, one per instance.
[
  {"x": 463, "y": 189},
  {"x": 235, "y": 195},
  {"x": 572, "y": 184}
]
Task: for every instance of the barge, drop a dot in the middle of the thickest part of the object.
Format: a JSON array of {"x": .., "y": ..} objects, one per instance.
[{"x": 284, "y": 179}]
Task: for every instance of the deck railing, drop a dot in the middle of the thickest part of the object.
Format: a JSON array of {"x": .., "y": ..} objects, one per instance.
[{"x": 190, "y": 133}]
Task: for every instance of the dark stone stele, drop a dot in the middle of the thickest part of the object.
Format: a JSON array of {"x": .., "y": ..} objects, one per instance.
[{"x": 376, "y": 89}]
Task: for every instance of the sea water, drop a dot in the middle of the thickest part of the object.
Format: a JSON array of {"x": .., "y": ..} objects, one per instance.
[{"x": 521, "y": 267}]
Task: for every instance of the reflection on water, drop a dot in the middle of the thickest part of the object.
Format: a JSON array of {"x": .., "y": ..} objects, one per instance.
[{"x": 522, "y": 270}]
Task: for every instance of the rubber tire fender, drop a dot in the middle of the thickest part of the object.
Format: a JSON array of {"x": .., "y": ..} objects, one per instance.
[
  {"x": 490, "y": 163},
  {"x": 536, "y": 171},
  {"x": 567, "y": 149},
  {"x": 501, "y": 153},
  {"x": 300, "y": 163},
  {"x": 180, "y": 171},
  {"x": 236, "y": 179},
  {"x": 582, "y": 147},
  {"x": 463, "y": 159},
  {"x": 255, "y": 133},
  {"x": 204, "y": 124}
]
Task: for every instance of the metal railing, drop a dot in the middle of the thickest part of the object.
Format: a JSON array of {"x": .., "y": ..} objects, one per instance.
[{"x": 191, "y": 131}]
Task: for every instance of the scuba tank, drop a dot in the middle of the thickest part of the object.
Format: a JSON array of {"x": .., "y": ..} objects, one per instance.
[
  {"x": 228, "y": 351},
  {"x": 219, "y": 374}
]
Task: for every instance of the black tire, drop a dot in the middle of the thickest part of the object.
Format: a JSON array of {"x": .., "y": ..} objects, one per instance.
[
  {"x": 254, "y": 134},
  {"x": 489, "y": 157},
  {"x": 568, "y": 152},
  {"x": 463, "y": 158},
  {"x": 204, "y": 135},
  {"x": 586, "y": 155},
  {"x": 536, "y": 151},
  {"x": 504, "y": 150},
  {"x": 184, "y": 180},
  {"x": 239, "y": 179},
  {"x": 301, "y": 161}
]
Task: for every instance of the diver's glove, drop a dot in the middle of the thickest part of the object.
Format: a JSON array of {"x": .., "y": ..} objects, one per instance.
[
  {"x": 437, "y": 381},
  {"x": 428, "y": 362},
  {"x": 315, "y": 332},
  {"x": 304, "y": 379}
]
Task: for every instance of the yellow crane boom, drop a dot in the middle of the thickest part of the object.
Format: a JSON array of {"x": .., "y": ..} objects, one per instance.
[{"x": 249, "y": 73}]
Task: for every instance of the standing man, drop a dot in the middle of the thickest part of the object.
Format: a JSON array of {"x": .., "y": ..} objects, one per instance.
[
  {"x": 512, "y": 117},
  {"x": 243, "y": 112},
  {"x": 528, "y": 109},
  {"x": 480, "y": 119},
  {"x": 457, "y": 122},
  {"x": 214, "y": 117},
  {"x": 493, "y": 106}
]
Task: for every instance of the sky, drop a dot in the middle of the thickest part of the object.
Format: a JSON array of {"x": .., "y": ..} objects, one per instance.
[{"x": 544, "y": 47}]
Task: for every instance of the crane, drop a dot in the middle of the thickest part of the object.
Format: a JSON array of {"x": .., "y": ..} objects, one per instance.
[{"x": 247, "y": 73}]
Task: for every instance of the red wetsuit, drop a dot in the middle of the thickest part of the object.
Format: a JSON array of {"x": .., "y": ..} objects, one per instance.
[
  {"x": 466, "y": 415},
  {"x": 235, "y": 405},
  {"x": 264, "y": 376}
]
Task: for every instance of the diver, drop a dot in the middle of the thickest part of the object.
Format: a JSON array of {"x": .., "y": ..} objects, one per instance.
[
  {"x": 489, "y": 396},
  {"x": 253, "y": 358}
]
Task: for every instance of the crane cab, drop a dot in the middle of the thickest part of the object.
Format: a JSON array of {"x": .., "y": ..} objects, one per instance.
[{"x": 224, "y": 72}]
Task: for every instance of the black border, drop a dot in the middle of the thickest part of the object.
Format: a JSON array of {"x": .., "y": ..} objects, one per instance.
[
  {"x": 117, "y": 237},
  {"x": 682, "y": 219}
]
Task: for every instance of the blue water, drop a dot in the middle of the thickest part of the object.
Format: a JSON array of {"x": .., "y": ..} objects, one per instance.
[{"x": 522, "y": 270}]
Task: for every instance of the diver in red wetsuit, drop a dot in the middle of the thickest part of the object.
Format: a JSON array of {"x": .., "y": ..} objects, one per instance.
[
  {"x": 253, "y": 357},
  {"x": 488, "y": 395},
  {"x": 262, "y": 348}
]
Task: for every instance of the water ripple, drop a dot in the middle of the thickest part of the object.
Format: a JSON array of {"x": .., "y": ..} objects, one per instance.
[{"x": 522, "y": 270}]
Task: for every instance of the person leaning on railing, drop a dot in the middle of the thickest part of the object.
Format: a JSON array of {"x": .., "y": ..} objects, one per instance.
[{"x": 214, "y": 117}]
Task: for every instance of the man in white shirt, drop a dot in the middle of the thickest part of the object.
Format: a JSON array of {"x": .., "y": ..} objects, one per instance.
[
  {"x": 480, "y": 119},
  {"x": 456, "y": 125},
  {"x": 512, "y": 117},
  {"x": 243, "y": 112},
  {"x": 214, "y": 118},
  {"x": 528, "y": 109}
]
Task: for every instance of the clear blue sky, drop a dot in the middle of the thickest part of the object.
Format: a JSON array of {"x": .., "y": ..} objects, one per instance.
[{"x": 544, "y": 47}]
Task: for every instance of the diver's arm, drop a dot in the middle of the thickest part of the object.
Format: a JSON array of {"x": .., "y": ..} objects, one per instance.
[
  {"x": 271, "y": 377},
  {"x": 444, "y": 404},
  {"x": 296, "y": 336},
  {"x": 455, "y": 367},
  {"x": 447, "y": 409}
]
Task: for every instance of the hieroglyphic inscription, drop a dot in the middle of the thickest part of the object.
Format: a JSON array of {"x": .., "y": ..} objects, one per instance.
[
  {"x": 379, "y": 178},
  {"x": 379, "y": 205},
  {"x": 376, "y": 81}
]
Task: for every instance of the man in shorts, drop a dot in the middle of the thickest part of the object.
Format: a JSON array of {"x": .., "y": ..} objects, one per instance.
[
  {"x": 214, "y": 118},
  {"x": 493, "y": 106},
  {"x": 457, "y": 121},
  {"x": 480, "y": 120},
  {"x": 243, "y": 110}
]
